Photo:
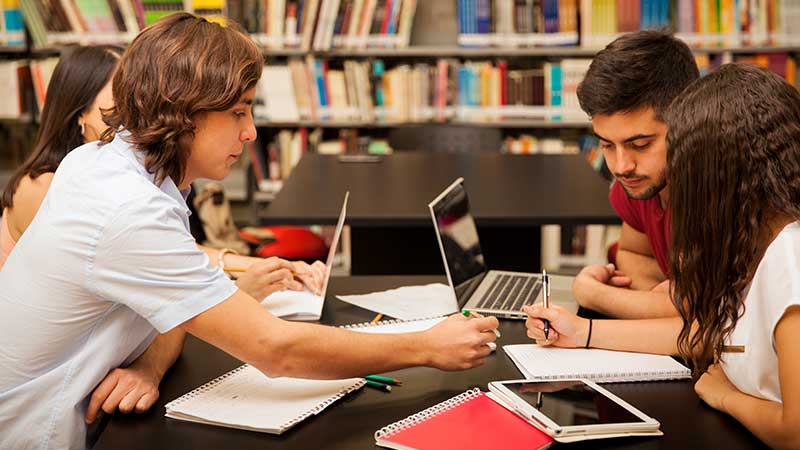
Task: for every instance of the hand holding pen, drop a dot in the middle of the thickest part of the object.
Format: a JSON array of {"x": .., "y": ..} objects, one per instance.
[{"x": 546, "y": 300}]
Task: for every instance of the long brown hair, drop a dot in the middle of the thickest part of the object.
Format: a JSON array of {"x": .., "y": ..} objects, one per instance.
[
  {"x": 178, "y": 67},
  {"x": 78, "y": 77},
  {"x": 733, "y": 161}
]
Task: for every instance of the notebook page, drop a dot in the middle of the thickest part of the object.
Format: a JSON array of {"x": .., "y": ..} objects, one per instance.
[
  {"x": 246, "y": 398},
  {"x": 550, "y": 363},
  {"x": 395, "y": 326}
]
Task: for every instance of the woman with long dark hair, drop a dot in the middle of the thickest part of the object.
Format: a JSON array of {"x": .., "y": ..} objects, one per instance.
[
  {"x": 79, "y": 89},
  {"x": 733, "y": 168},
  {"x": 734, "y": 173}
]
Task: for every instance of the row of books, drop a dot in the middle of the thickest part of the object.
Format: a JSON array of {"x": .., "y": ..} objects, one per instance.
[
  {"x": 783, "y": 64},
  {"x": 326, "y": 24},
  {"x": 12, "y": 30},
  {"x": 57, "y": 22},
  {"x": 312, "y": 89},
  {"x": 701, "y": 23},
  {"x": 273, "y": 23},
  {"x": 517, "y": 23},
  {"x": 514, "y": 23}
]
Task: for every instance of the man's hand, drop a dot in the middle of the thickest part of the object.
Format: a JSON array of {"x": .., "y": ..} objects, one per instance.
[
  {"x": 459, "y": 343},
  {"x": 591, "y": 276},
  {"x": 126, "y": 390}
]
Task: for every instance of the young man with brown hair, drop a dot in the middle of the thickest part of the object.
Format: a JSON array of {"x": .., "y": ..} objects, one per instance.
[{"x": 626, "y": 92}]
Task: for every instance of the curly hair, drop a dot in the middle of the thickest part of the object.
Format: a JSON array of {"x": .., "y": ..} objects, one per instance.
[
  {"x": 178, "y": 67},
  {"x": 733, "y": 162}
]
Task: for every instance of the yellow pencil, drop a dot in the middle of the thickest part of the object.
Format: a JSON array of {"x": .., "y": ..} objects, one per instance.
[
  {"x": 377, "y": 318},
  {"x": 235, "y": 269}
]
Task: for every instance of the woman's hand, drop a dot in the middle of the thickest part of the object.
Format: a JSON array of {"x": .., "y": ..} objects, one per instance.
[
  {"x": 566, "y": 329},
  {"x": 714, "y": 387},
  {"x": 268, "y": 276}
]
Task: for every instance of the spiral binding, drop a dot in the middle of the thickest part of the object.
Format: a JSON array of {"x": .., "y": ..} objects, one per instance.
[
  {"x": 384, "y": 322},
  {"x": 204, "y": 388},
  {"x": 619, "y": 377},
  {"x": 317, "y": 409},
  {"x": 410, "y": 421}
]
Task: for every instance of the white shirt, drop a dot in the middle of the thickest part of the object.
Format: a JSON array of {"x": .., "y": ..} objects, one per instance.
[
  {"x": 775, "y": 287},
  {"x": 107, "y": 261}
]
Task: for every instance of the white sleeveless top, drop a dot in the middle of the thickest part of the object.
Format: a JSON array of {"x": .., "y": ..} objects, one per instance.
[{"x": 775, "y": 287}]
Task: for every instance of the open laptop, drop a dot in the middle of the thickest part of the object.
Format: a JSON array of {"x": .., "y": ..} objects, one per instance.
[
  {"x": 493, "y": 292},
  {"x": 305, "y": 305}
]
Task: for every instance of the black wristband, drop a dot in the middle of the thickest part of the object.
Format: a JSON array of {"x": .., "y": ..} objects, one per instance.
[{"x": 589, "y": 337}]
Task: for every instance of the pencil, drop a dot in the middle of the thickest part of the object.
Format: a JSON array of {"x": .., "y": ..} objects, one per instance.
[
  {"x": 384, "y": 380},
  {"x": 377, "y": 318},
  {"x": 379, "y": 386},
  {"x": 234, "y": 269}
]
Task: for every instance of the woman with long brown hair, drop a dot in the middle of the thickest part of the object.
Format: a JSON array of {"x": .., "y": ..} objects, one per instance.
[
  {"x": 733, "y": 168},
  {"x": 79, "y": 89}
]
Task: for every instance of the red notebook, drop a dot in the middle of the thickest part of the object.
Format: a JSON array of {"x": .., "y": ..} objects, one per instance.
[{"x": 468, "y": 421}]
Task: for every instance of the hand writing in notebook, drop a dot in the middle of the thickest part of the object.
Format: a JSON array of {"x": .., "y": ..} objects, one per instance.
[
  {"x": 566, "y": 329},
  {"x": 271, "y": 275},
  {"x": 459, "y": 343}
]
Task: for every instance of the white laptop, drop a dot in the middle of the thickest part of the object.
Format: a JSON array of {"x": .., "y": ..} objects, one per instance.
[
  {"x": 493, "y": 292},
  {"x": 305, "y": 305}
]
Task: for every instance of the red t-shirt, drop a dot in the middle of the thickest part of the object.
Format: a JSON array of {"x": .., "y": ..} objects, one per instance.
[{"x": 645, "y": 216}]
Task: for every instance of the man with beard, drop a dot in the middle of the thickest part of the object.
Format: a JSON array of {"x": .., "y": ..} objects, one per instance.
[{"x": 626, "y": 91}]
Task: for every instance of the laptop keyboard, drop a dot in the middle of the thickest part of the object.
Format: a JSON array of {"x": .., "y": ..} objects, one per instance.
[{"x": 510, "y": 292}]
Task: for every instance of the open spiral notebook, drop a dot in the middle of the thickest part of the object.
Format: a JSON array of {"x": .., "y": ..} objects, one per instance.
[
  {"x": 247, "y": 399},
  {"x": 602, "y": 366}
]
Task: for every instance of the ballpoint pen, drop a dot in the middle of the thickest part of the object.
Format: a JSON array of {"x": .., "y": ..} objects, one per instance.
[{"x": 546, "y": 300}]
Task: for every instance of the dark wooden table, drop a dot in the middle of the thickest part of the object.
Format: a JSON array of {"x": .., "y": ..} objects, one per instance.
[
  {"x": 510, "y": 196},
  {"x": 350, "y": 424}
]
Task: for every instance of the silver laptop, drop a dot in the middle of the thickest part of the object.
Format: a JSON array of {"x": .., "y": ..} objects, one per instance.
[{"x": 494, "y": 292}]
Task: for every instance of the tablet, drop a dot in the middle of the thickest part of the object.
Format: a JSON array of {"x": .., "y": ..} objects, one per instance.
[{"x": 572, "y": 407}]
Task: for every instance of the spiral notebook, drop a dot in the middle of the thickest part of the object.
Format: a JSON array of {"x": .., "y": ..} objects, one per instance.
[
  {"x": 247, "y": 399},
  {"x": 601, "y": 366},
  {"x": 467, "y": 421},
  {"x": 395, "y": 326}
]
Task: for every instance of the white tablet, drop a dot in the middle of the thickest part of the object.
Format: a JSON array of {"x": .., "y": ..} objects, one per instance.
[{"x": 572, "y": 408}]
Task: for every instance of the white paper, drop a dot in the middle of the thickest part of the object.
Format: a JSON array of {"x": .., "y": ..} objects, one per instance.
[
  {"x": 602, "y": 366},
  {"x": 294, "y": 305},
  {"x": 408, "y": 302}
]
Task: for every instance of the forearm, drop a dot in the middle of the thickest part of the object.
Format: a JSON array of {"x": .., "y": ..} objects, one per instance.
[
  {"x": 161, "y": 353},
  {"x": 231, "y": 260},
  {"x": 281, "y": 348},
  {"x": 764, "y": 418},
  {"x": 658, "y": 336},
  {"x": 309, "y": 350},
  {"x": 643, "y": 271},
  {"x": 623, "y": 303}
]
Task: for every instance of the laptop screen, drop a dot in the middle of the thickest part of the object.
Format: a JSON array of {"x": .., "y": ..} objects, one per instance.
[{"x": 458, "y": 235}]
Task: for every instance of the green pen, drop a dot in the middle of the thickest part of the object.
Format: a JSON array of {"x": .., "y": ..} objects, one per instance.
[
  {"x": 466, "y": 313},
  {"x": 379, "y": 386},
  {"x": 384, "y": 380}
]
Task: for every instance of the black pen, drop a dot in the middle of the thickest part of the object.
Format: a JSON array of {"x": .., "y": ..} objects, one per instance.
[{"x": 546, "y": 300}]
